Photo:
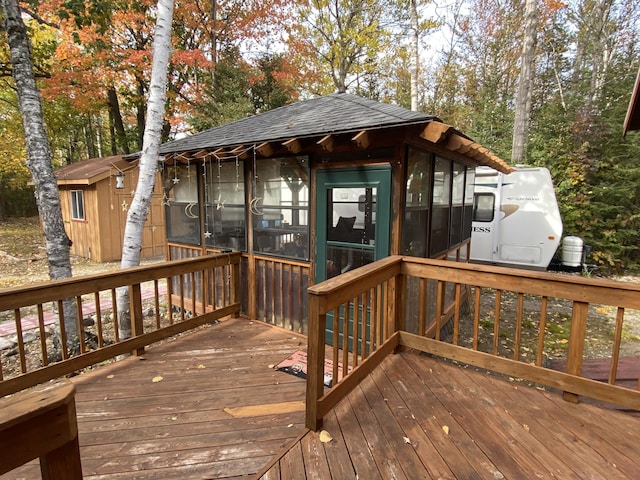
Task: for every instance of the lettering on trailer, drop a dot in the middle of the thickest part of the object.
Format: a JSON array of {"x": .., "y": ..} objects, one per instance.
[{"x": 481, "y": 229}]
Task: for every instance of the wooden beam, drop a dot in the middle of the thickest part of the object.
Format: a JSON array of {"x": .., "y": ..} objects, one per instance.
[
  {"x": 456, "y": 143},
  {"x": 241, "y": 152},
  {"x": 266, "y": 149},
  {"x": 435, "y": 132},
  {"x": 201, "y": 153},
  {"x": 326, "y": 143},
  {"x": 362, "y": 139},
  {"x": 293, "y": 145}
]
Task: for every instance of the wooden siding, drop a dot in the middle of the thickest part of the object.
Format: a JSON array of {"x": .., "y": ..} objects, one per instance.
[{"x": 99, "y": 236}]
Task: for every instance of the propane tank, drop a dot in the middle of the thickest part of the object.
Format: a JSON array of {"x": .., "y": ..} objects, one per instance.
[{"x": 572, "y": 251}]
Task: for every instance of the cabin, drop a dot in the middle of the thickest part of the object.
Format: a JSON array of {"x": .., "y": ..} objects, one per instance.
[
  {"x": 318, "y": 188},
  {"x": 95, "y": 195}
]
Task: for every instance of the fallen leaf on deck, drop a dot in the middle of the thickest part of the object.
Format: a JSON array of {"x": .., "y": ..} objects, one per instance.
[
  {"x": 271, "y": 365},
  {"x": 325, "y": 437},
  {"x": 201, "y": 366},
  {"x": 526, "y": 427},
  {"x": 445, "y": 429},
  {"x": 157, "y": 379},
  {"x": 110, "y": 376},
  {"x": 290, "y": 425},
  {"x": 406, "y": 440}
]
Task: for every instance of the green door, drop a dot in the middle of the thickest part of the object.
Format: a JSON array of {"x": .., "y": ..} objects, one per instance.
[{"x": 353, "y": 223}]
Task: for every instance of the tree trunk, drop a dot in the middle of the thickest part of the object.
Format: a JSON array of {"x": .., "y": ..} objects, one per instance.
[
  {"x": 118, "y": 124},
  {"x": 39, "y": 158},
  {"x": 415, "y": 54},
  {"x": 523, "y": 97},
  {"x": 148, "y": 165}
]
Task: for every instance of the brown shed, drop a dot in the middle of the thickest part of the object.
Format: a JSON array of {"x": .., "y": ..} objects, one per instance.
[
  {"x": 95, "y": 195},
  {"x": 317, "y": 188}
]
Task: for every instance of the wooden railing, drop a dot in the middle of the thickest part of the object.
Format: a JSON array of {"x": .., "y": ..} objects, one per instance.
[
  {"x": 419, "y": 303},
  {"x": 41, "y": 423},
  {"x": 164, "y": 299}
]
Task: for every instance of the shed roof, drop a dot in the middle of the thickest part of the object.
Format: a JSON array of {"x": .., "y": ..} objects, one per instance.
[
  {"x": 90, "y": 171},
  {"x": 632, "y": 121},
  {"x": 335, "y": 114}
]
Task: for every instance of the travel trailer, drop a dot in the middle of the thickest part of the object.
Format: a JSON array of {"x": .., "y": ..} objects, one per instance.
[{"x": 516, "y": 220}]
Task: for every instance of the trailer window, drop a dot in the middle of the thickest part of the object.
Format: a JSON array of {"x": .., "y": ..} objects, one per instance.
[{"x": 483, "y": 207}]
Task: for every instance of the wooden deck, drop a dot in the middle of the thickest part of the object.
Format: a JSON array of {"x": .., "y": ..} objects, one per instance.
[
  {"x": 216, "y": 410},
  {"x": 421, "y": 417}
]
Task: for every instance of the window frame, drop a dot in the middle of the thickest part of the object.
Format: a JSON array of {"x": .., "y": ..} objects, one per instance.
[{"x": 78, "y": 211}]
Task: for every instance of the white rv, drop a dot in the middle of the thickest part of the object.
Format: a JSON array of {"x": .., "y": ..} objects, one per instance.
[{"x": 516, "y": 221}]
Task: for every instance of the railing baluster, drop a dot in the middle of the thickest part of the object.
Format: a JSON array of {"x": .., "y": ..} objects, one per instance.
[
  {"x": 541, "y": 330},
  {"x": 23, "y": 361},
  {"x": 80, "y": 324},
  {"x": 476, "y": 318},
  {"x": 114, "y": 311},
  {"x": 422, "y": 313},
  {"x": 336, "y": 346},
  {"x": 194, "y": 310},
  {"x": 181, "y": 277},
  {"x": 456, "y": 315},
  {"x": 439, "y": 307},
  {"x": 156, "y": 300},
  {"x": 345, "y": 334},
  {"x": 615, "y": 354},
  {"x": 518, "y": 336},
  {"x": 63, "y": 330},
  {"x": 43, "y": 337},
  {"x": 496, "y": 322},
  {"x": 96, "y": 300}
]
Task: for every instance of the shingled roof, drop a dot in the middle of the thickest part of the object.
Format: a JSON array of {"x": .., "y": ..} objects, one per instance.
[
  {"x": 88, "y": 172},
  {"x": 325, "y": 117},
  {"x": 331, "y": 114}
]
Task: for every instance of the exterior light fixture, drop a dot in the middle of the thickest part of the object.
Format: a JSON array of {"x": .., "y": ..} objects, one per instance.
[{"x": 119, "y": 180}]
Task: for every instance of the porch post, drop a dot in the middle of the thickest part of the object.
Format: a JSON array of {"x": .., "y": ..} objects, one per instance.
[
  {"x": 315, "y": 362},
  {"x": 576, "y": 345}
]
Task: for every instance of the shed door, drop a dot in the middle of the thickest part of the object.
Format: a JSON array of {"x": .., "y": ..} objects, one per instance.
[{"x": 352, "y": 223}]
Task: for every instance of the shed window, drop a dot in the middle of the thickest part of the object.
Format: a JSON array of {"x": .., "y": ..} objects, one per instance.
[
  {"x": 77, "y": 205},
  {"x": 280, "y": 207}
]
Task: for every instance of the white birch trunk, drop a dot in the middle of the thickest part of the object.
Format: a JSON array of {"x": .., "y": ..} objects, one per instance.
[
  {"x": 415, "y": 55},
  {"x": 148, "y": 165},
  {"x": 39, "y": 159}
]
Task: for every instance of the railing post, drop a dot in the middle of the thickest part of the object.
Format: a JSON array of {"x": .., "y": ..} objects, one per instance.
[
  {"x": 576, "y": 344},
  {"x": 41, "y": 423},
  {"x": 315, "y": 362},
  {"x": 135, "y": 309}
]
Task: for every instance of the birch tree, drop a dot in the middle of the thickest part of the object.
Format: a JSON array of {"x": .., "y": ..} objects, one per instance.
[
  {"x": 39, "y": 157},
  {"x": 148, "y": 164}
]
